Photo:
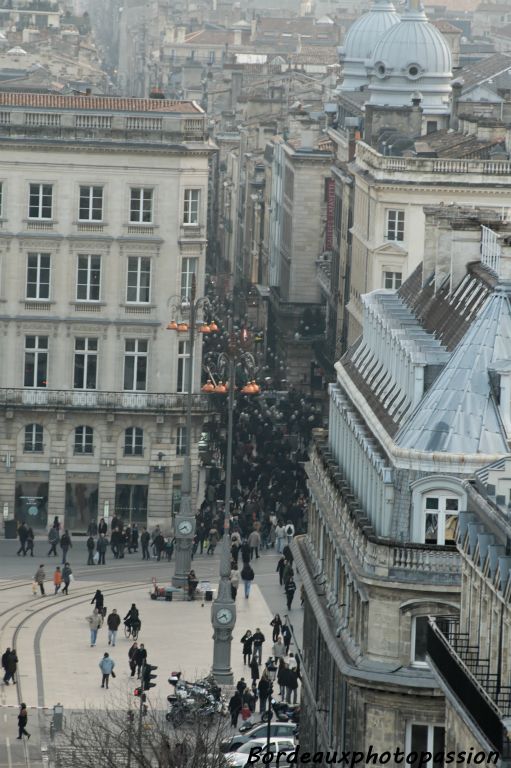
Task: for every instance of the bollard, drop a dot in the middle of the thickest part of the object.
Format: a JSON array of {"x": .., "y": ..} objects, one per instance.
[{"x": 58, "y": 718}]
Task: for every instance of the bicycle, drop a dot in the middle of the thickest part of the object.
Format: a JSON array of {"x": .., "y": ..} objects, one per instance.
[{"x": 131, "y": 631}]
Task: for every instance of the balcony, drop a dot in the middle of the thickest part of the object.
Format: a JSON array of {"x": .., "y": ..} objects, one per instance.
[
  {"x": 324, "y": 275},
  {"x": 377, "y": 556},
  {"x": 96, "y": 400},
  {"x": 467, "y": 676}
]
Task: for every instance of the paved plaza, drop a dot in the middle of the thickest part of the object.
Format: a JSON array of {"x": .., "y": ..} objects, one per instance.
[{"x": 51, "y": 635}]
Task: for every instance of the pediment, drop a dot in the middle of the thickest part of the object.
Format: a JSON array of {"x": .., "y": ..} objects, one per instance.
[{"x": 390, "y": 249}]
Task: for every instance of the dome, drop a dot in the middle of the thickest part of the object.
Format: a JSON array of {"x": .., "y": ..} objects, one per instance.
[
  {"x": 361, "y": 40},
  {"x": 409, "y": 57}
]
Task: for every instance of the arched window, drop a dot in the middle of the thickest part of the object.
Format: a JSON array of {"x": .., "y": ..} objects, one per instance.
[
  {"x": 133, "y": 441},
  {"x": 33, "y": 438},
  {"x": 437, "y": 502},
  {"x": 84, "y": 440}
]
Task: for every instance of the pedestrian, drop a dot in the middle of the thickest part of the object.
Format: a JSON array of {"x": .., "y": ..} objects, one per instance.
[
  {"x": 286, "y": 637},
  {"x": 290, "y": 532},
  {"x": 302, "y": 595},
  {"x": 213, "y": 541},
  {"x": 280, "y": 569},
  {"x": 241, "y": 685},
  {"x": 288, "y": 554},
  {"x": 106, "y": 666},
  {"x": 247, "y": 575},
  {"x": 245, "y": 552},
  {"x": 281, "y": 678},
  {"x": 5, "y": 656},
  {"x": 140, "y": 657},
  {"x": 39, "y": 578},
  {"x": 102, "y": 527},
  {"x": 56, "y": 524},
  {"x": 92, "y": 529},
  {"x": 145, "y": 538},
  {"x": 67, "y": 575},
  {"x": 258, "y": 640},
  {"x": 53, "y": 538},
  {"x": 235, "y": 707},
  {"x": 159, "y": 545},
  {"x": 98, "y": 601},
  {"x": 169, "y": 548},
  {"x": 264, "y": 689},
  {"x": 95, "y": 621},
  {"x": 276, "y": 623},
  {"x": 29, "y": 545},
  {"x": 287, "y": 573},
  {"x": 22, "y": 536},
  {"x": 254, "y": 670},
  {"x": 290, "y": 592},
  {"x": 22, "y": 721},
  {"x": 280, "y": 537},
  {"x": 131, "y": 658},
  {"x": 291, "y": 679},
  {"x": 134, "y": 538},
  {"x": 235, "y": 580},
  {"x": 91, "y": 545},
  {"x": 254, "y": 542},
  {"x": 278, "y": 649},
  {"x": 101, "y": 546},
  {"x": 10, "y": 664},
  {"x": 57, "y": 579},
  {"x": 192, "y": 584},
  {"x": 65, "y": 545},
  {"x": 247, "y": 641},
  {"x": 112, "y": 623}
]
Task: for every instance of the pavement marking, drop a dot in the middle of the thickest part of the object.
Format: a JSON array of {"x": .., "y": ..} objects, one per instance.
[{"x": 8, "y": 748}]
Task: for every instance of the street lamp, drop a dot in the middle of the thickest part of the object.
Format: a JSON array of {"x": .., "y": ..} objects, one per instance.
[
  {"x": 184, "y": 527},
  {"x": 271, "y": 668},
  {"x": 223, "y": 610}
]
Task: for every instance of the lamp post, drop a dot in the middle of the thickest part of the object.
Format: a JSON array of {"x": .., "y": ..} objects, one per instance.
[
  {"x": 272, "y": 673},
  {"x": 223, "y": 610},
  {"x": 184, "y": 527}
]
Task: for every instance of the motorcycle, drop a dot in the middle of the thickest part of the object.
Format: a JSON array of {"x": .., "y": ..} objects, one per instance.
[{"x": 202, "y": 698}]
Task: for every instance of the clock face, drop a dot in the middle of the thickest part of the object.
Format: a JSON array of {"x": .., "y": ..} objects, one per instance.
[
  {"x": 224, "y": 616},
  {"x": 185, "y": 527}
]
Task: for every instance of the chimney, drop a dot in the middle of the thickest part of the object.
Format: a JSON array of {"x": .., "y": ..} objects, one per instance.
[
  {"x": 237, "y": 37},
  {"x": 253, "y": 30}
]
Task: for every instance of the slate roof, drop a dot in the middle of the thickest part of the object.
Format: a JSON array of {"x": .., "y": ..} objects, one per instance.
[
  {"x": 483, "y": 70},
  {"x": 97, "y": 103},
  {"x": 459, "y": 414}
]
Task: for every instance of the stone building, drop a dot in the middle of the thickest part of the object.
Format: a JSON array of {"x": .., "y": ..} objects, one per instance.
[
  {"x": 103, "y": 211},
  {"x": 412, "y": 415}
]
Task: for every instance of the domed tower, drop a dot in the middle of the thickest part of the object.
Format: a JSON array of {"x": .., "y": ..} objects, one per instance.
[
  {"x": 412, "y": 56},
  {"x": 360, "y": 41}
]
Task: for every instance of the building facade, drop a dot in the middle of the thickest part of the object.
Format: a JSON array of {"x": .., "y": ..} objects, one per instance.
[
  {"x": 103, "y": 229},
  {"x": 412, "y": 415}
]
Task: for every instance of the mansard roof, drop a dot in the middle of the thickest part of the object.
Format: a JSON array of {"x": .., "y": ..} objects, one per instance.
[{"x": 459, "y": 413}]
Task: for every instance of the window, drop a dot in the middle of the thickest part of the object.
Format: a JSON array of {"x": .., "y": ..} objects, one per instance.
[
  {"x": 40, "y": 201},
  {"x": 141, "y": 205},
  {"x": 183, "y": 365},
  {"x": 139, "y": 279},
  {"x": 188, "y": 271},
  {"x": 419, "y": 636},
  {"x": 36, "y": 361},
  {"x": 133, "y": 442},
  {"x": 1, "y": 200},
  {"x": 135, "y": 365},
  {"x": 395, "y": 226},
  {"x": 84, "y": 440},
  {"x": 91, "y": 204},
  {"x": 424, "y": 738},
  {"x": 392, "y": 280},
  {"x": 33, "y": 438},
  {"x": 181, "y": 441},
  {"x": 38, "y": 276},
  {"x": 88, "y": 281},
  {"x": 85, "y": 363},
  {"x": 191, "y": 207},
  {"x": 440, "y": 516}
]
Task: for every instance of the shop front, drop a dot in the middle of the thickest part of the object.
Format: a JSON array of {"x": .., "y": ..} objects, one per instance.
[
  {"x": 81, "y": 501},
  {"x": 131, "y": 493},
  {"x": 31, "y": 502}
]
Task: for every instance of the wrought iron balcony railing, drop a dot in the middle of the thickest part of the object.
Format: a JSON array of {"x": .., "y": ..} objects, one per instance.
[{"x": 98, "y": 400}]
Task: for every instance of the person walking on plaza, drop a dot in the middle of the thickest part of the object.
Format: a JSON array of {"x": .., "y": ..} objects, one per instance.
[
  {"x": 65, "y": 545},
  {"x": 276, "y": 623},
  {"x": 98, "y": 601},
  {"x": 91, "y": 545},
  {"x": 290, "y": 592},
  {"x": 254, "y": 542},
  {"x": 263, "y": 687},
  {"x": 254, "y": 671},
  {"x": 5, "y": 656},
  {"x": 280, "y": 569},
  {"x": 22, "y": 721},
  {"x": 10, "y": 665},
  {"x": 29, "y": 544},
  {"x": 280, "y": 537},
  {"x": 247, "y": 641},
  {"x": 286, "y": 637},
  {"x": 57, "y": 579},
  {"x": 290, "y": 532},
  {"x": 95, "y": 621},
  {"x": 131, "y": 658},
  {"x": 247, "y": 574},
  {"x": 140, "y": 657},
  {"x": 39, "y": 578},
  {"x": 106, "y": 666},
  {"x": 53, "y": 539},
  {"x": 235, "y": 580},
  {"x": 287, "y": 574},
  {"x": 101, "y": 546},
  {"x": 22, "y": 536},
  {"x": 112, "y": 623},
  {"x": 67, "y": 574},
  {"x": 278, "y": 649},
  {"x": 235, "y": 706},
  {"x": 145, "y": 538},
  {"x": 258, "y": 639},
  {"x": 102, "y": 527}
]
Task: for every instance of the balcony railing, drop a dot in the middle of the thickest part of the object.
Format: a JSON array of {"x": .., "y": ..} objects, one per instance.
[
  {"x": 66, "y": 398},
  {"x": 379, "y": 556},
  {"x": 464, "y": 685}
]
